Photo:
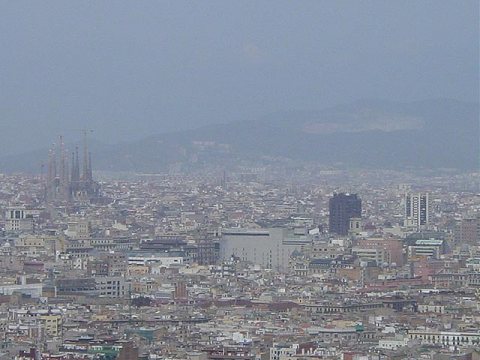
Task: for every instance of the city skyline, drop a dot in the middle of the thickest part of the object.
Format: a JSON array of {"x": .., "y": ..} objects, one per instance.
[{"x": 240, "y": 180}]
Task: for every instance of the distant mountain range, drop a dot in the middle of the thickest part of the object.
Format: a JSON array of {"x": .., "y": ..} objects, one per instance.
[{"x": 429, "y": 134}]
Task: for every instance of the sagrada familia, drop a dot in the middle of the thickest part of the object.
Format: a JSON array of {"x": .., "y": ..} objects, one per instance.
[{"x": 65, "y": 184}]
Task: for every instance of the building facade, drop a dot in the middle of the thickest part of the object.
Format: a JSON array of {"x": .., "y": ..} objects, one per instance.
[
  {"x": 417, "y": 210},
  {"x": 342, "y": 208}
]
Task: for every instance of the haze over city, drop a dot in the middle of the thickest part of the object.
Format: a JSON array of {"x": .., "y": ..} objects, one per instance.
[
  {"x": 239, "y": 180},
  {"x": 131, "y": 70}
]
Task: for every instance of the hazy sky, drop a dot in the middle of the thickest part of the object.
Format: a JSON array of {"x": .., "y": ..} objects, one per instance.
[{"x": 132, "y": 68}]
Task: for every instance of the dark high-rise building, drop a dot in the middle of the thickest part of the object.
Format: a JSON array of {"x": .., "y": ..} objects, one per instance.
[{"x": 342, "y": 208}]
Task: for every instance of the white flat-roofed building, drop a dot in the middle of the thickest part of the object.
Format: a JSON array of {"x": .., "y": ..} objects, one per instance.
[
  {"x": 20, "y": 219},
  {"x": 427, "y": 247},
  {"x": 33, "y": 290},
  {"x": 392, "y": 344},
  {"x": 445, "y": 338},
  {"x": 270, "y": 248},
  {"x": 154, "y": 259}
]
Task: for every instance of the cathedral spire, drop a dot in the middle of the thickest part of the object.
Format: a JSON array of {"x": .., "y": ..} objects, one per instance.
[
  {"x": 63, "y": 169},
  {"x": 76, "y": 166},
  {"x": 85, "y": 156},
  {"x": 90, "y": 170}
]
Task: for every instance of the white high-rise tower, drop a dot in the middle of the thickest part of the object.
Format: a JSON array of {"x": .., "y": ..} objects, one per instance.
[{"x": 417, "y": 210}]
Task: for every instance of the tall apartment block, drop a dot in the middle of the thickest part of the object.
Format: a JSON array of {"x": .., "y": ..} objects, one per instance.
[{"x": 417, "y": 210}]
